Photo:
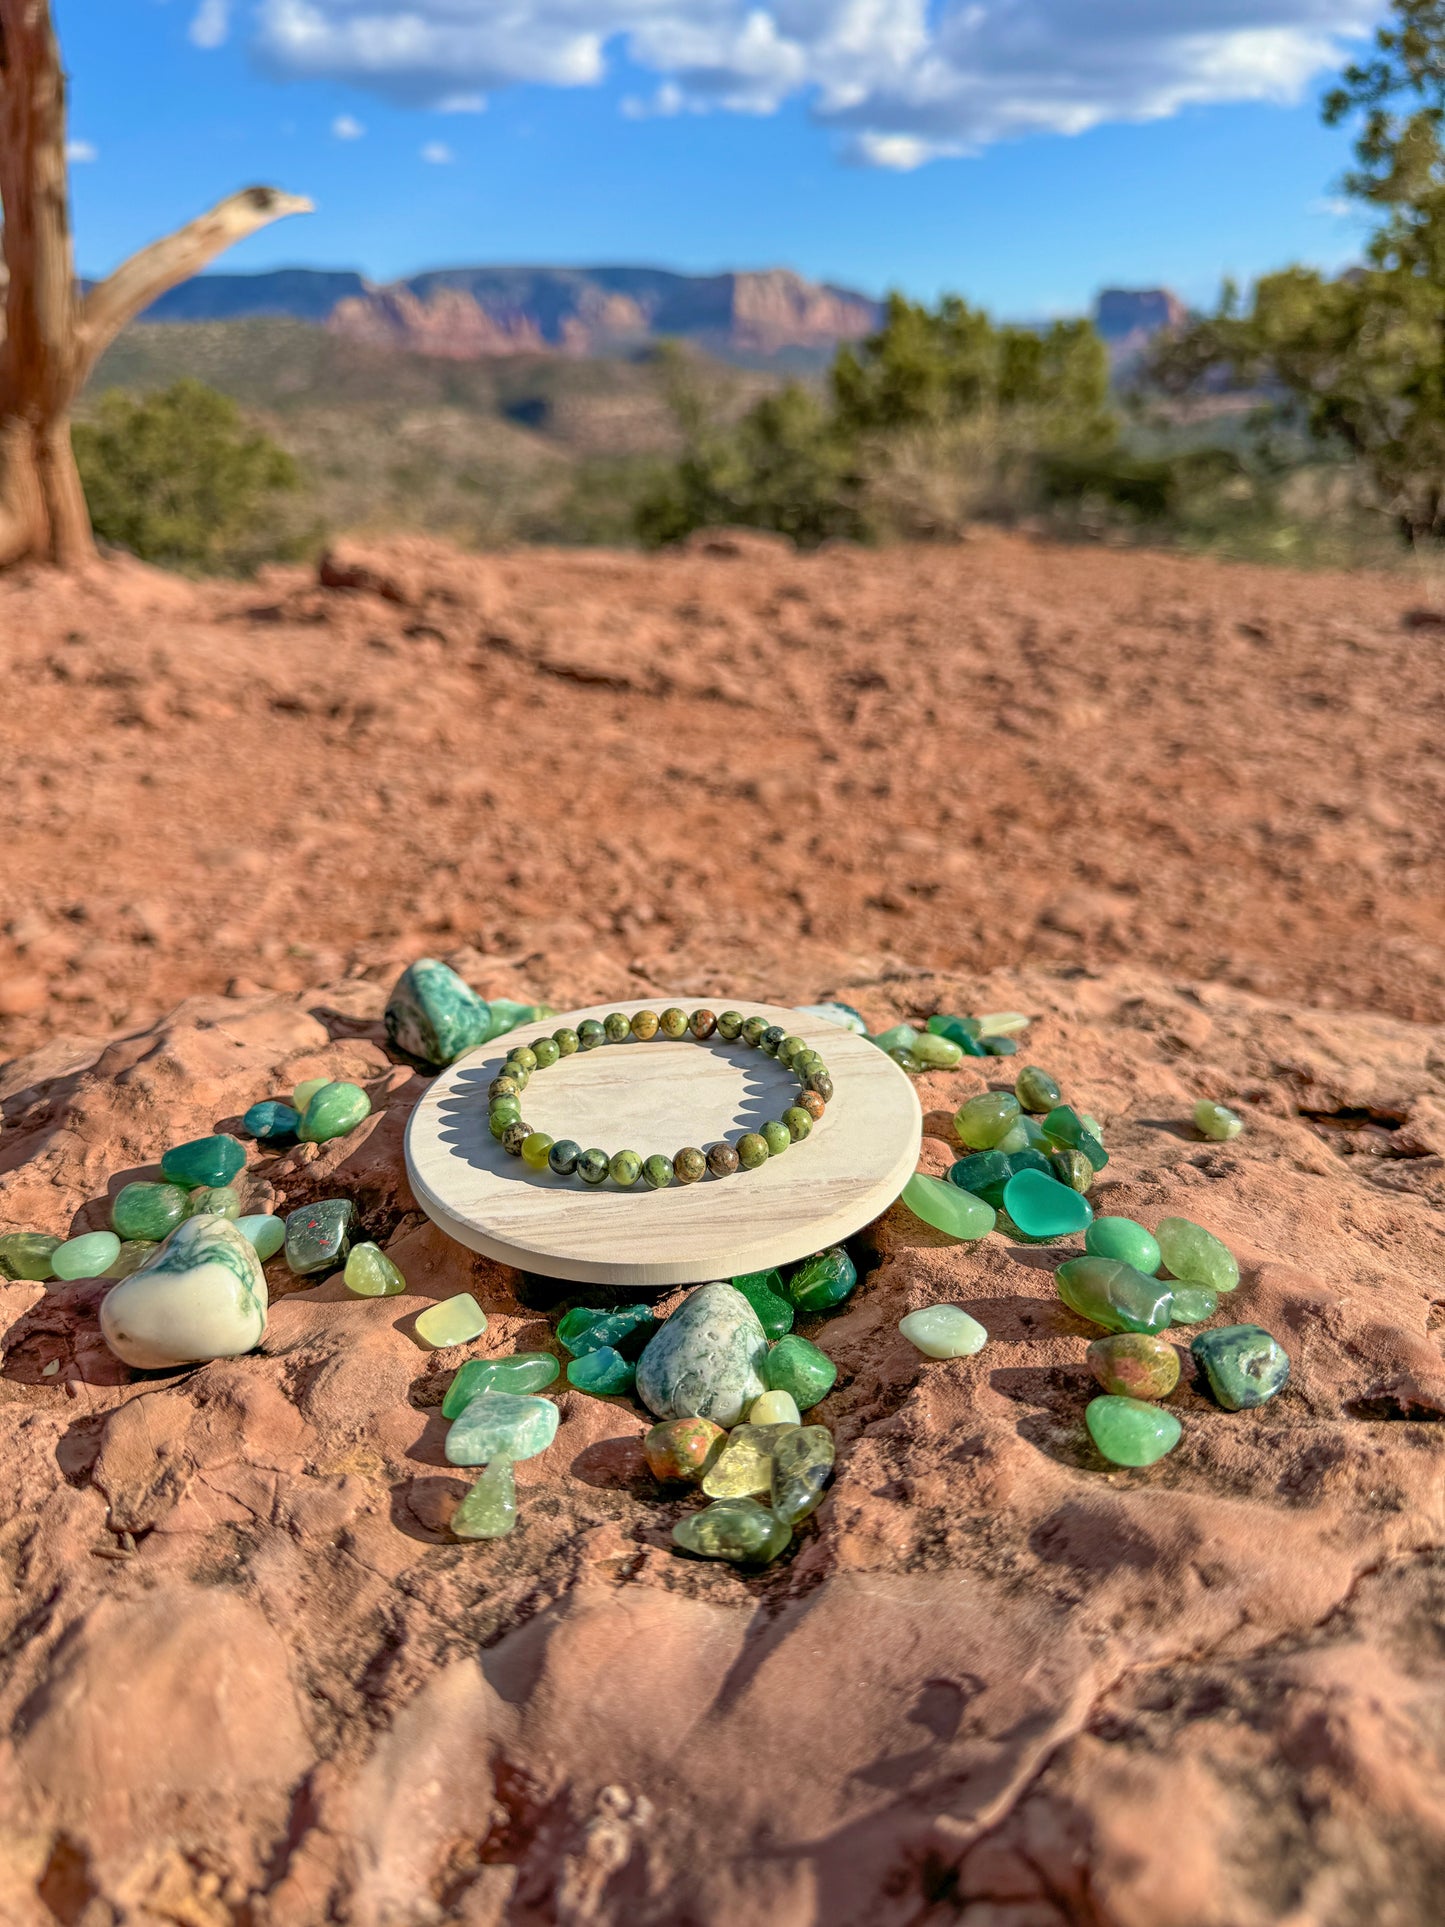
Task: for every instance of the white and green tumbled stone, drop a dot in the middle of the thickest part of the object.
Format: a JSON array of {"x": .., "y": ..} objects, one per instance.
[
  {"x": 705, "y": 1361},
  {"x": 489, "y": 1510},
  {"x": 501, "y": 1425},
  {"x": 943, "y": 1331},
  {"x": 149, "y": 1210},
  {"x": 202, "y": 1295},
  {"x": 433, "y": 1016}
]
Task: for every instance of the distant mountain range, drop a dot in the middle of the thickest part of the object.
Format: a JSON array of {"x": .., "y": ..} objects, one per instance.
[{"x": 473, "y": 314}]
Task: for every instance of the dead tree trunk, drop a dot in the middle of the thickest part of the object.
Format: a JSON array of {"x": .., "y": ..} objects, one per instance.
[{"x": 51, "y": 336}]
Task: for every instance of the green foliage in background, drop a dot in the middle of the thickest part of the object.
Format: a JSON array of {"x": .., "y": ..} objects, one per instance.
[{"x": 179, "y": 479}]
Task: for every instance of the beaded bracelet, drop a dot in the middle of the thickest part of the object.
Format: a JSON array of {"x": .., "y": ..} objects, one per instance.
[{"x": 753, "y": 1148}]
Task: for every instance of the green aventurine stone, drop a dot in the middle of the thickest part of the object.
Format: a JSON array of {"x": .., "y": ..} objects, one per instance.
[
  {"x": 938, "y": 1053},
  {"x": 453, "y": 1322},
  {"x": 1114, "y": 1295},
  {"x": 796, "y": 1366},
  {"x": 1125, "y": 1240},
  {"x": 739, "y": 1530},
  {"x": 214, "y": 1201},
  {"x": 265, "y": 1233},
  {"x": 627, "y": 1330},
  {"x": 1041, "y": 1207},
  {"x": 1195, "y": 1255},
  {"x": 764, "y": 1292},
  {"x": 1035, "y": 1090},
  {"x": 519, "y": 1373},
  {"x": 745, "y": 1464},
  {"x": 1245, "y": 1366},
  {"x": 943, "y": 1331},
  {"x": 1128, "y": 1431},
  {"x": 499, "y": 1425},
  {"x": 1217, "y": 1120},
  {"x": 335, "y": 1110},
  {"x": 433, "y": 1016},
  {"x": 489, "y": 1511},
  {"x": 1063, "y": 1126},
  {"x": 957, "y": 1213},
  {"x": 149, "y": 1210},
  {"x": 802, "y": 1462},
  {"x": 983, "y": 1120},
  {"x": 271, "y": 1119},
  {"x": 823, "y": 1280},
  {"x": 86, "y": 1256},
  {"x": 371, "y": 1274},
  {"x": 683, "y": 1448},
  {"x": 1134, "y": 1364},
  {"x": 26, "y": 1254},
  {"x": 203, "y": 1160},
  {"x": 1193, "y": 1304},
  {"x": 604, "y": 1372},
  {"x": 318, "y": 1235}
]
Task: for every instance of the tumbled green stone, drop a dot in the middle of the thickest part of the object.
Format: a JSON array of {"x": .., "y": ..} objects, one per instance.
[
  {"x": 500, "y": 1425},
  {"x": 305, "y": 1091},
  {"x": 86, "y": 1256},
  {"x": 752, "y": 1149},
  {"x": 1125, "y": 1240},
  {"x": 1035, "y": 1090},
  {"x": 1072, "y": 1168},
  {"x": 943, "y": 1331},
  {"x": 203, "y": 1160},
  {"x": 1114, "y": 1295},
  {"x": 149, "y": 1210},
  {"x": 764, "y": 1292},
  {"x": 1041, "y": 1207},
  {"x": 938, "y": 1053},
  {"x": 585, "y": 1329},
  {"x": 518, "y": 1372},
  {"x": 133, "y": 1253},
  {"x": 1193, "y": 1304},
  {"x": 433, "y": 1016},
  {"x": 604, "y": 1373},
  {"x": 843, "y": 1015},
  {"x": 683, "y": 1448},
  {"x": 823, "y": 1280},
  {"x": 905, "y": 1060},
  {"x": 983, "y": 1168},
  {"x": 214, "y": 1201},
  {"x": 802, "y": 1464},
  {"x": 1134, "y": 1364},
  {"x": 536, "y": 1150},
  {"x": 371, "y": 1274},
  {"x": 1017, "y": 1139},
  {"x": 489, "y": 1511},
  {"x": 1128, "y": 1431},
  {"x": 1244, "y": 1365},
  {"x": 774, "y": 1408},
  {"x": 1217, "y": 1120},
  {"x": 593, "y": 1166},
  {"x": 897, "y": 1036},
  {"x": 739, "y": 1530},
  {"x": 563, "y": 1156},
  {"x": 318, "y": 1236},
  {"x": 27, "y": 1254},
  {"x": 796, "y": 1366},
  {"x": 265, "y": 1233},
  {"x": 271, "y": 1119},
  {"x": 960, "y": 1214},
  {"x": 999, "y": 1046},
  {"x": 1195, "y": 1255},
  {"x": 506, "y": 1014},
  {"x": 452, "y": 1322},
  {"x": 983, "y": 1120},
  {"x": 1092, "y": 1125},
  {"x": 335, "y": 1110},
  {"x": 1065, "y": 1128},
  {"x": 777, "y": 1137},
  {"x": 957, "y": 1030},
  {"x": 744, "y": 1466},
  {"x": 657, "y": 1171}
]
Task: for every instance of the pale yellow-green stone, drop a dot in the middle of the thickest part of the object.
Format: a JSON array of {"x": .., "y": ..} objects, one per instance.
[
  {"x": 371, "y": 1274},
  {"x": 489, "y": 1511},
  {"x": 774, "y": 1408},
  {"x": 453, "y": 1322},
  {"x": 744, "y": 1466},
  {"x": 305, "y": 1091},
  {"x": 1002, "y": 1023}
]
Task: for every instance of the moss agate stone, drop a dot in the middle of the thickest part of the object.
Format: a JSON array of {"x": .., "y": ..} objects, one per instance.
[
  {"x": 1130, "y": 1431},
  {"x": 1125, "y": 1240},
  {"x": 455, "y": 1321},
  {"x": 271, "y": 1119},
  {"x": 201, "y": 1295},
  {"x": 739, "y": 1530},
  {"x": 802, "y": 1466},
  {"x": 489, "y": 1511},
  {"x": 605, "y": 1373},
  {"x": 432, "y": 1016},
  {"x": 371, "y": 1274},
  {"x": 1114, "y": 1295},
  {"x": 86, "y": 1256},
  {"x": 1217, "y": 1121},
  {"x": 318, "y": 1236},
  {"x": 764, "y": 1292},
  {"x": 705, "y": 1361},
  {"x": 1244, "y": 1365},
  {"x": 776, "y": 1135},
  {"x": 500, "y": 1425},
  {"x": 203, "y": 1160},
  {"x": 265, "y": 1233},
  {"x": 958, "y": 1214},
  {"x": 822, "y": 1281},
  {"x": 1041, "y": 1207},
  {"x": 1067, "y": 1130},
  {"x": 1134, "y": 1364},
  {"x": 683, "y": 1449},
  {"x": 796, "y": 1366},
  {"x": 335, "y": 1111},
  {"x": 518, "y": 1372},
  {"x": 27, "y": 1254},
  {"x": 984, "y": 1120},
  {"x": 744, "y": 1467},
  {"x": 1195, "y": 1256},
  {"x": 1193, "y": 1304},
  {"x": 943, "y": 1331},
  {"x": 149, "y": 1210}
]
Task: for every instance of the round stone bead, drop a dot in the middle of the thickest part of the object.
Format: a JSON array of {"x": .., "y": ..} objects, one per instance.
[
  {"x": 517, "y": 1072},
  {"x": 771, "y": 1038},
  {"x": 546, "y": 1052},
  {"x": 810, "y": 1102},
  {"x": 722, "y": 1159},
  {"x": 776, "y": 1136},
  {"x": 504, "y": 1111},
  {"x": 753, "y": 1030},
  {"x": 730, "y": 1025},
  {"x": 673, "y": 1022},
  {"x": 702, "y": 1023},
  {"x": 515, "y": 1136},
  {"x": 752, "y": 1150},
  {"x": 986, "y": 1119},
  {"x": 563, "y": 1156},
  {"x": 590, "y": 1034},
  {"x": 617, "y": 1026},
  {"x": 789, "y": 1048},
  {"x": 149, "y": 1211},
  {"x": 537, "y": 1151},
  {"x": 644, "y": 1024},
  {"x": 1122, "y": 1238},
  {"x": 689, "y": 1165},
  {"x": 626, "y": 1168},
  {"x": 86, "y": 1256},
  {"x": 806, "y": 1059},
  {"x": 820, "y": 1082},
  {"x": 593, "y": 1166},
  {"x": 524, "y": 1055},
  {"x": 566, "y": 1041},
  {"x": 503, "y": 1087},
  {"x": 798, "y": 1121},
  {"x": 1035, "y": 1090},
  {"x": 657, "y": 1171},
  {"x": 1217, "y": 1120}
]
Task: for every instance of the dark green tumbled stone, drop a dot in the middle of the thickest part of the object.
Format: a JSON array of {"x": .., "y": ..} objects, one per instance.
[
  {"x": 1000, "y": 1046},
  {"x": 563, "y": 1156},
  {"x": 1035, "y": 1090},
  {"x": 962, "y": 1031},
  {"x": 796, "y": 1366},
  {"x": 593, "y": 1166},
  {"x": 1072, "y": 1168},
  {"x": 764, "y": 1292},
  {"x": 605, "y": 1373},
  {"x": 271, "y": 1119},
  {"x": 1114, "y": 1295},
  {"x": 149, "y": 1210},
  {"x": 802, "y": 1466},
  {"x": 984, "y": 1167},
  {"x": 1064, "y": 1127},
  {"x": 318, "y": 1236},
  {"x": 822, "y": 1280},
  {"x": 739, "y": 1530},
  {"x": 1244, "y": 1365},
  {"x": 433, "y": 1016},
  {"x": 203, "y": 1160},
  {"x": 585, "y": 1329}
]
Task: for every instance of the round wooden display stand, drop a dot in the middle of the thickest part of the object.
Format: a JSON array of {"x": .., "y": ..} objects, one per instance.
[{"x": 659, "y": 1096}]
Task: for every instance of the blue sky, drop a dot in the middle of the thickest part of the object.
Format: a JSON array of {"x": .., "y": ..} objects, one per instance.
[{"x": 922, "y": 144}]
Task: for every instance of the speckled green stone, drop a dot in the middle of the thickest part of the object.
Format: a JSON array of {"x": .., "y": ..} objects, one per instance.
[
  {"x": 657, "y": 1171},
  {"x": 215, "y": 1201},
  {"x": 626, "y": 1168},
  {"x": 518, "y": 1372},
  {"x": 1244, "y": 1365},
  {"x": 86, "y": 1256},
  {"x": 335, "y": 1111},
  {"x": 984, "y": 1168},
  {"x": 822, "y": 1281},
  {"x": 983, "y": 1120},
  {"x": 1193, "y": 1304},
  {"x": 796, "y": 1366},
  {"x": 566, "y": 1041},
  {"x": 1128, "y": 1431},
  {"x": 617, "y": 1026},
  {"x": 590, "y": 1034},
  {"x": 545, "y": 1050},
  {"x": 1124, "y": 1239},
  {"x": 672, "y": 1022},
  {"x": 563, "y": 1156},
  {"x": 797, "y": 1123},
  {"x": 604, "y": 1373},
  {"x": 149, "y": 1210},
  {"x": 1066, "y": 1129},
  {"x": 776, "y": 1136},
  {"x": 524, "y": 1055},
  {"x": 503, "y": 1112},
  {"x": 1114, "y": 1295},
  {"x": 318, "y": 1236},
  {"x": 371, "y": 1274},
  {"x": 1035, "y": 1090},
  {"x": 959, "y": 1214},
  {"x": 266, "y": 1234},
  {"x": 729, "y": 1025},
  {"x": 433, "y": 1016},
  {"x": 27, "y": 1254},
  {"x": 764, "y": 1292},
  {"x": 489, "y": 1511},
  {"x": 203, "y": 1160},
  {"x": 739, "y": 1530},
  {"x": 516, "y": 1135},
  {"x": 1134, "y": 1364},
  {"x": 802, "y": 1466},
  {"x": 593, "y": 1166},
  {"x": 689, "y": 1165},
  {"x": 644, "y": 1025},
  {"x": 722, "y": 1159},
  {"x": 1041, "y": 1207},
  {"x": 752, "y": 1149},
  {"x": 500, "y": 1425},
  {"x": 1217, "y": 1120},
  {"x": 1072, "y": 1168},
  {"x": 1195, "y": 1255}
]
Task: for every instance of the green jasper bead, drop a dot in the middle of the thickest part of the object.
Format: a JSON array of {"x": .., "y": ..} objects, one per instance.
[
  {"x": 318, "y": 1236},
  {"x": 524, "y": 1055},
  {"x": 1035, "y": 1090},
  {"x": 764, "y": 1292},
  {"x": 517, "y": 1074},
  {"x": 27, "y": 1255},
  {"x": 823, "y": 1280},
  {"x": 689, "y": 1165},
  {"x": 503, "y": 1087},
  {"x": 546, "y": 1052},
  {"x": 489, "y": 1511},
  {"x": 626, "y": 1168},
  {"x": 590, "y": 1034},
  {"x": 371, "y": 1274},
  {"x": 1064, "y": 1127},
  {"x": 752, "y": 1032},
  {"x": 563, "y": 1156},
  {"x": 515, "y": 1136},
  {"x": 132, "y": 1255},
  {"x": 536, "y": 1150},
  {"x": 802, "y": 1464},
  {"x": 776, "y": 1135},
  {"x": 203, "y": 1160},
  {"x": 644, "y": 1025},
  {"x": 672, "y": 1022},
  {"x": 752, "y": 1148},
  {"x": 215, "y": 1201},
  {"x": 1134, "y": 1364},
  {"x": 796, "y": 1366},
  {"x": 1217, "y": 1120},
  {"x": 729, "y": 1025},
  {"x": 1041, "y": 1207},
  {"x": 605, "y": 1373},
  {"x": 789, "y": 1048},
  {"x": 592, "y": 1166},
  {"x": 959, "y": 1214},
  {"x": 617, "y": 1026},
  {"x": 1193, "y": 1304},
  {"x": 657, "y": 1171},
  {"x": 148, "y": 1210},
  {"x": 1129, "y": 1431},
  {"x": 567, "y": 1041},
  {"x": 1114, "y": 1295},
  {"x": 86, "y": 1256},
  {"x": 702, "y": 1023},
  {"x": 937, "y": 1053},
  {"x": 771, "y": 1038},
  {"x": 1125, "y": 1240},
  {"x": 738, "y": 1530},
  {"x": 983, "y": 1120},
  {"x": 335, "y": 1110},
  {"x": 1244, "y": 1365},
  {"x": 798, "y": 1122},
  {"x": 1072, "y": 1168},
  {"x": 265, "y": 1233},
  {"x": 519, "y": 1373},
  {"x": 1195, "y": 1255}
]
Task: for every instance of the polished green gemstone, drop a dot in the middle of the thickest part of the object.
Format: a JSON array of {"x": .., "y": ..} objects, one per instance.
[
  {"x": 305, "y": 1091},
  {"x": 672, "y": 1022},
  {"x": 657, "y": 1171},
  {"x": 789, "y": 1048},
  {"x": 500, "y": 1425},
  {"x": 1245, "y": 1366},
  {"x": 1041, "y": 1207},
  {"x": 265, "y": 1233},
  {"x": 764, "y": 1292},
  {"x": 906, "y": 1061},
  {"x": 943, "y": 1331},
  {"x": 1066, "y": 1129},
  {"x": 617, "y": 1026},
  {"x": 739, "y": 1530},
  {"x": 752, "y": 1031},
  {"x": 722, "y": 1159},
  {"x": 567, "y": 1041},
  {"x": 962, "y": 1031},
  {"x": 1134, "y": 1364},
  {"x": 515, "y": 1136},
  {"x": 702, "y": 1023},
  {"x": 897, "y": 1037},
  {"x": 605, "y": 1373},
  {"x": 563, "y": 1156},
  {"x": 433, "y": 1016},
  {"x": 802, "y": 1465},
  {"x": 744, "y": 1467},
  {"x": 1195, "y": 1255},
  {"x": 86, "y": 1256},
  {"x": 536, "y": 1149},
  {"x": 1035, "y": 1090},
  {"x": 797, "y": 1122},
  {"x": 683, "y": 1448},
  {"x": 771, "y": 1038},
  {"x": 1002, "y": 1023},
  {"x": 590, "y": 1034},
  {"x": 1114, "y": 1295},
  {"x": 1016, "y": 1140},
  {"x": 585, "y": 1329},
  {"x": 983, "y": 1120},
  {"x": 644, "y": 1025},
  {"x": 626, "y": 1168},
  {"x": 796, "y": 1366},
  {"x": 371, "y": 1274},
  {"x": 983, "y": 1168},
  {"x": 518, "y": 1373},
  {"x": 27, "y": 1254},
  {"x": 1072, "y": 1168},
  {"x": 503, "y": 1087},
  {"x": 271, "y": 1119},
  {"x": 1217, "y": 1120},
  {"x": 1129, "y": 1431},
  {"x": 455, "y": 1321},
  {"x": 823, "y": 1280},
  {"x": 730, "y": 1025},
  {"x": 318, "y": 1236},
  {"x": 1193, "y": 1304},
  {"x": 1125, "y": 1240},
  {"x": 593, "y": 1166},
  {"x": 960, "y": 1214},
  {"x": 505, "y": 1112},
  {"x": 545, "y": 1050},
  {"x": 489, "y": 1511},
  {"x": 999, "y": 1046},
  {"x": 524, "y": 1055},
  {"x": 149, "y": 1210},
  {"x": 134, "y": 1253},
  {"x": 774, "y": 1408},
  {"x": 215, "y": 1201},
  {"x": 776, "y": 1135},
  {"x": 514, "y": 1073},
  {"x": 335, "y": 1111},
  {"x": 203, "y": 1160},
  {"x": 752, "y": 1149},
  {"x": 937, "y": 1053}
]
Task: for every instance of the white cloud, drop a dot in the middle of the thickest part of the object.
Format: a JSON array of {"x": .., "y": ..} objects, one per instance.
[
  {"x": 438, "y": 153},
  {"x": 903, "y": 81},
  {"x": 346, "y": 128},
  {"x": 210, "y": 23},
  {"x": 77, "y": 151}
]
